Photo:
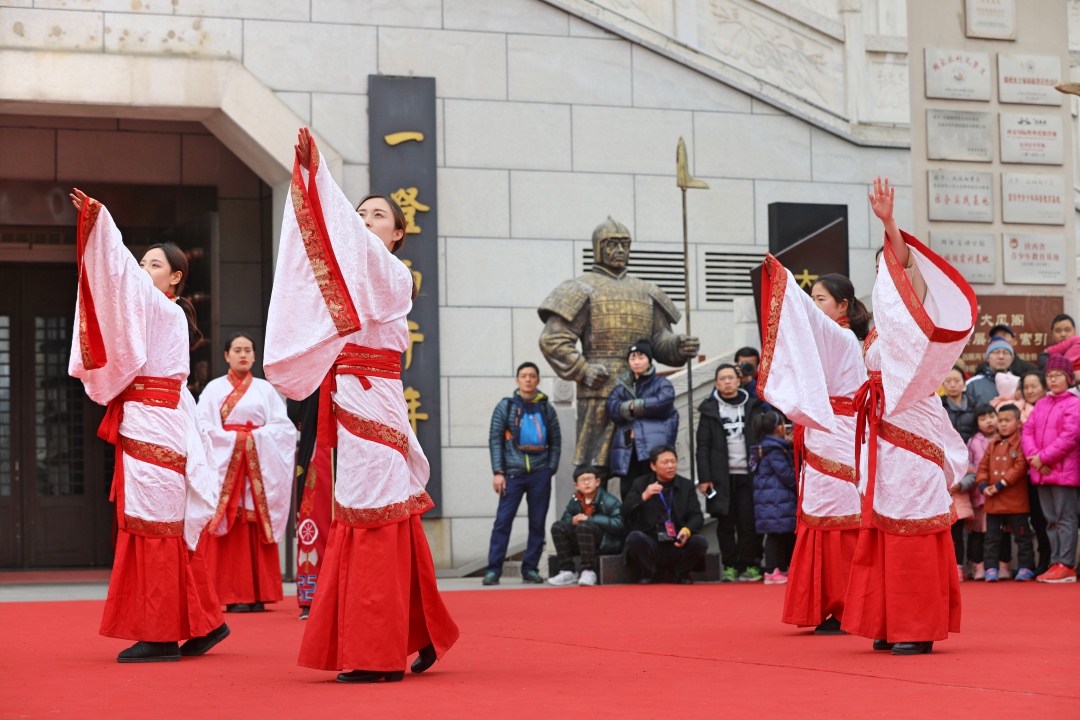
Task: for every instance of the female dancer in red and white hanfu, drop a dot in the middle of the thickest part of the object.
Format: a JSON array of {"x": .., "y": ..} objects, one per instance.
[
  {"x": 338, "y": 316},
  {"x": 130, "y": 349},
  {"x": 254, "y": 445},
  {"x": 811, "y": 369}
]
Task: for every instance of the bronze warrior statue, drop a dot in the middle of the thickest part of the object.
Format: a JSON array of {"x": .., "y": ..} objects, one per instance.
[{"x": 607, "y": 310}]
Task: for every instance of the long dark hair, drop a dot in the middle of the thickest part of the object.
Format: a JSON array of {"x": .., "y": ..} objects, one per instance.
[
  {"x": 764, "y": 424},
  {"x": 178, "y": 262},
  {"x": 399, "y": 224},
  {"x": 841, "y": 289}
]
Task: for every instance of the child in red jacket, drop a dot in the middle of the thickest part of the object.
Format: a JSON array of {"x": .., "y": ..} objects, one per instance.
[{"x": 1003, "y": 480}]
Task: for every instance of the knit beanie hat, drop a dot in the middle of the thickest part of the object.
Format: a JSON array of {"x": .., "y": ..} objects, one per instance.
[
  {"x": 999, "y": 343},
  {"x": 643, "y": 346},
  {"x": 1060, "y": 362}
]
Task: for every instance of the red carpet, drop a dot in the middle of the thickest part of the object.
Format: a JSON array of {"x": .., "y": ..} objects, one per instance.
[{"x": 612, "y": 652}]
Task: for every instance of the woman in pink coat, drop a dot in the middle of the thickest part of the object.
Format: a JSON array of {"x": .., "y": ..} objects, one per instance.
[{"x": 1051, "y": 442}]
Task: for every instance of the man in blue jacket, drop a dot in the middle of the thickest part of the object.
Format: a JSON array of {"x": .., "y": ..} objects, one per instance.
[{"x": 525, "y": 442}]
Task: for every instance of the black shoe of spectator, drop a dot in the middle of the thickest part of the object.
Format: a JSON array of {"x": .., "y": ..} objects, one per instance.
[
  {"x": 370, "y": 676},
  {"x": 683, "y": 580},
  {"x": 200, "y": 645},
  {"x": 146, "y": 652},
  {"x": 912, "y": 648},
  {"x": 831, "y": 626},
  {"x": 304, "y": 612},
  {"x": 238, "y": 608},
  {"x": 491, "y": 578},
  {"x": 531, "y": 576},
  {"x": 646, "y": 581},
  {"x": 882, "y": 645}
]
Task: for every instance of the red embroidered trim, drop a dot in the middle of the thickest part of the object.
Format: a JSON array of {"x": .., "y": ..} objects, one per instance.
[
  {"x": 91, "y": 344},
  {"x": 153, "y": 528},
  {"x": 240, "y": 388},
  {"x": 917, "y": 526},
  {"x": 832, "y": 468},
  {"x": 870, "y": 340},
  {"x": 912, "y": 443},
  {"x": 373, "y": 431},
  {"x": 319, "y": 250},
  {"x": 395, "y": 512},
  {"x": 915, "y": 305},
  {"x": 154, "y": 454},
  {"x": 842, "y": 406},
  {"x": 844, "y": 322},
  {"x": 773, "y": 285},
  {"x": 258, "y": 491},
  {"x": 832, "y": 522}
]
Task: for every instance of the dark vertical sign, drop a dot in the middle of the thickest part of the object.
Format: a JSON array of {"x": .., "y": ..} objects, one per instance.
[{"x": 401, "y": 118}]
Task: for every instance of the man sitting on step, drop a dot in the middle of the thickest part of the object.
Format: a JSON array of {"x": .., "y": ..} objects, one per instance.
[
  {"x": 591, "y": 526},
  {"x": 665, "y": 520}
]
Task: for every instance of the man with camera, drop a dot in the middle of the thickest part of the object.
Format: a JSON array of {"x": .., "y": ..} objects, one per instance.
[
  {"x": 665, "y": 518},
  {"x": 747, "y": 360}
]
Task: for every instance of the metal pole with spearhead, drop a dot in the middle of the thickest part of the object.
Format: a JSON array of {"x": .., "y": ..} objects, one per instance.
[{"x": 686, "y": 182}]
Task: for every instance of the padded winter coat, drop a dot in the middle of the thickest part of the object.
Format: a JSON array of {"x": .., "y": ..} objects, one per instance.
[
  {"x": 511, "y": 460},
  {"x": 776, "y": 495},
  {"x": 962, "y": 416},
  {"x": 653, "y": 419},
  {"x": 607, "y": 516},
  {"x": 1053, "y": 433}
]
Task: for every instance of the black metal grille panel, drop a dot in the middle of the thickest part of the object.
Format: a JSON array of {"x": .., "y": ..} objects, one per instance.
[
  {"x": 58, "y": 410},
  {"x": 727, "y": 275}
]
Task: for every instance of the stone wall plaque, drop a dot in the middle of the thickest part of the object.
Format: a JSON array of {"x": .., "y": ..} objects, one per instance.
[
  {"x": 973, "y": 254},
  {"x": 1033, "y": 199},
  {"x": 1031, "y": 138},
  {"x": 959, "y": 135},
  {"x": 961, "y": 196},
  {"x": 1034, "y": 259},
  {"x": 1029, "y": 79},
  {"x": 957, "y": 74},
  {"x": 993, "y": 19}
]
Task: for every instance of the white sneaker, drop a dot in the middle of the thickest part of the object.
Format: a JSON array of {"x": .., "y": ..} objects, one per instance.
[
  {"x": 588, "y": 577},
  {"x": 564, "y": 578}
]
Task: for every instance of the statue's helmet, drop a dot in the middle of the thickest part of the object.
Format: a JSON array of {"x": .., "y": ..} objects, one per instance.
[{"x": 608, "y": 230}]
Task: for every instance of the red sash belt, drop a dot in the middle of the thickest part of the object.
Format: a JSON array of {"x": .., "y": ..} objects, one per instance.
[
  {"x": 152, "y": 391},
  {"x": 870, "y": 408},
  {"x": 362, "y": 362}
]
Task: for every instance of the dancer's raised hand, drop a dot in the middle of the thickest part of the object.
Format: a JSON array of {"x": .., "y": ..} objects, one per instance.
[
  {"x": 881, "y": 200},
  {"x": 303, "y": 147},
  {"x": 78, "y": 198}
]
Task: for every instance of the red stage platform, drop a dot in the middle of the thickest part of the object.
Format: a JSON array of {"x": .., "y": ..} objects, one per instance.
[{"x": 606, "y": 652}]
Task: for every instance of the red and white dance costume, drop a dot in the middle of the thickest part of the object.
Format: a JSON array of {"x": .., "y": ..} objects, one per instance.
[
  {"x": 811, "y": 369},
  {"x": 130, "y": 349},
  {"x": 254, "y": 444},
  {"x": 903, "y": 585},
  {"x": 338, "y": 316}
]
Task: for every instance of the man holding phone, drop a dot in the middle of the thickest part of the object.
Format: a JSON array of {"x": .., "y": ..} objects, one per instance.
[{"x": 665, "y": 518}]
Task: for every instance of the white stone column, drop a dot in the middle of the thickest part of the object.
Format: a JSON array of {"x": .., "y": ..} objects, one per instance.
[{"x": 854, "y": 60}]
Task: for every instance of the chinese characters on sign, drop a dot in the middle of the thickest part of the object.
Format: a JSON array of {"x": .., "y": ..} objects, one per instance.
[
  {"x": 958, "y": 135},
  {"x": 992, "y": 19},
  {"x": 957, "y": 74},
  {"x": 1028, "y": 316},
  {"x": 1034, "y": 259},
  {"x": 973, "y": 254},
  {"x": 961, "y": 196},
  {"x": 1033, "y": 199},
  {"x": 402, "y": 132},
  {"x": 1029, "y": 79},
  {"x": 1033, "y": 139}
]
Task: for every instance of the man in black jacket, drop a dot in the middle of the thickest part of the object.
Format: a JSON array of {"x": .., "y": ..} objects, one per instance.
[
  {"x": 525, "y": 442},
  {"x": 723, "y": 452},
  {"x": 664, "y": 518}
]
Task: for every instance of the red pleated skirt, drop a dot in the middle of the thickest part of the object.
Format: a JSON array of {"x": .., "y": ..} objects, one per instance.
[
  {"x": 377, "y": 601},
  {"x": 244, "y": 568},
  {"x": 818, "y": 576},
  {"x": 903, "y": 588},
  {"x": 158, "y": 592}
]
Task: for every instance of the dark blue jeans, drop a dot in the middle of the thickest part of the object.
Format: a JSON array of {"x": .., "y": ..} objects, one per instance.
[{"x": 535, "y": 487}]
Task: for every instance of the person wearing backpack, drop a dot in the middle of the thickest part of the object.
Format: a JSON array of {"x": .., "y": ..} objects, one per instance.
[{"x": 525, "y": 442}]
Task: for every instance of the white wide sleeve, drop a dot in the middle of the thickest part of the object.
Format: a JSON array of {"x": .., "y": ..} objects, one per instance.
[
  {"x": 121, "y": 296},
  {"x": 203, "y": 483},
  {"x": 806, "y": 356},
  {"x": 276, "y": 444},
  {"x": 919, "y": 338}
]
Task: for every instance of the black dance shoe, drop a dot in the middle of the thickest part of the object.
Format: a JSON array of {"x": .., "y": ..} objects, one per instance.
[
  {"x": 199, "y": 645},
  {"x": 683, "y": 580},
  {"x": 831, "y": 626},
  {"x": 304, "y": 612},
  {"x": 912, "y": 648},
  {"x": 425, "y": 659},
  {"x": 238, "y": 608},
  {"x": 146, "y": 652},
  {"x": 883, "y": 645},
  {"x": 258, "y": 607},
  {"x": 370, "y": 676}
]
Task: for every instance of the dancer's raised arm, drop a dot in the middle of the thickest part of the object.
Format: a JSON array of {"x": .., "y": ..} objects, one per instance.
[{"x": 881, "y": 201}]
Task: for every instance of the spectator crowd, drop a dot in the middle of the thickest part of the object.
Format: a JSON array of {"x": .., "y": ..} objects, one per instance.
[{"x": 1020, "y": 421}]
